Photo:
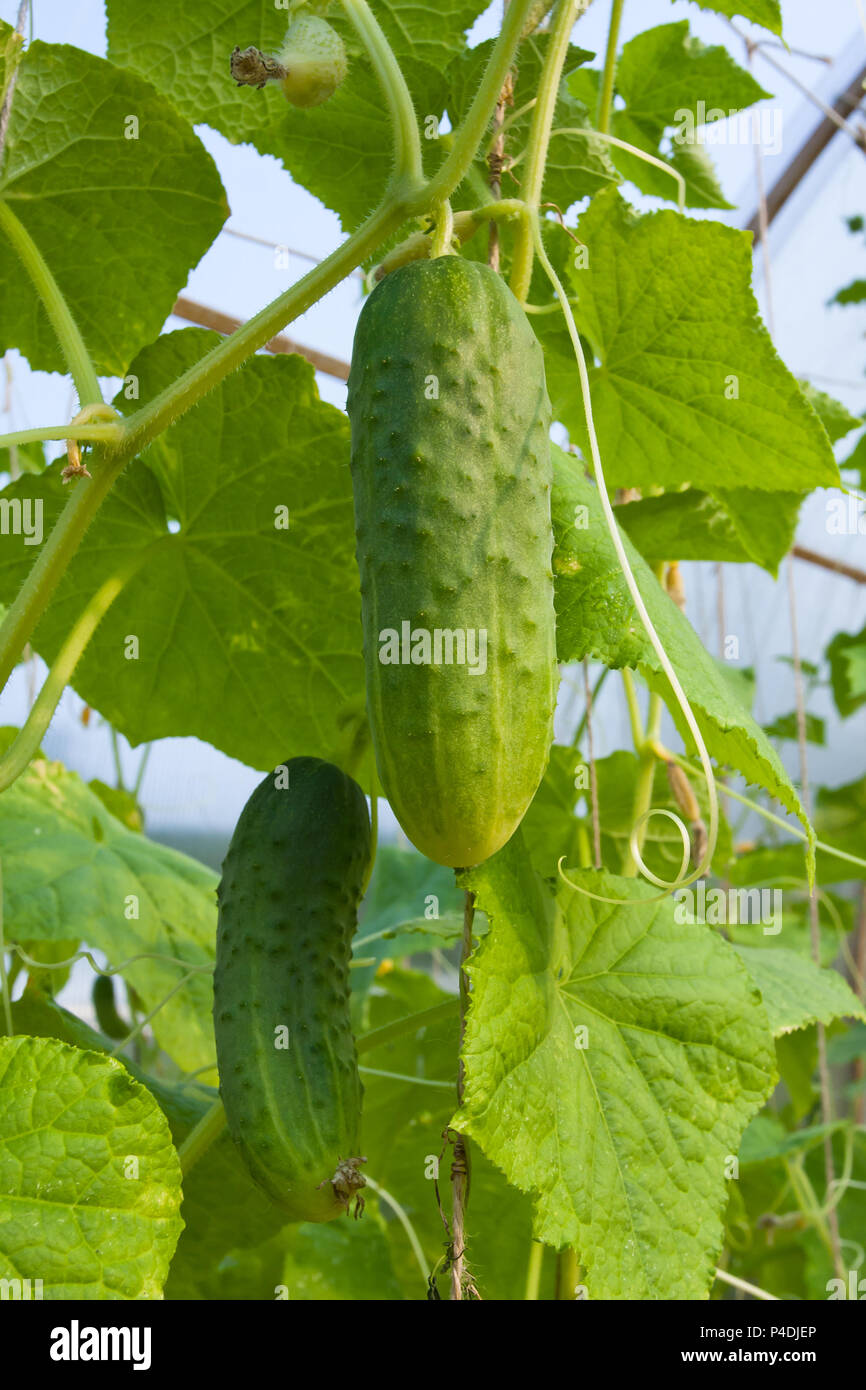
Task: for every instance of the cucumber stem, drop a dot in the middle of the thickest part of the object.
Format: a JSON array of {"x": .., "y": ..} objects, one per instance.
[
  {"x": 605, "y": 100},
  {"x": 461, "y": 1162},
  {"x": 201, "y": 1136},
  {"x": 77, "y": 357}
]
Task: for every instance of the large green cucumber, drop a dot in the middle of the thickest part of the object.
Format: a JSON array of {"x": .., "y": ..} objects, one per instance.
[
  {"x": 452, "y": 476},
  {"x": 292, "y": 879}
]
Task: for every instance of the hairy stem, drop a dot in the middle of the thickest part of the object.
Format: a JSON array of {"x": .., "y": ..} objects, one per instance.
[
  {"x": 605, "y": 99},
  {"x": 567, "y": 12},
  {"x": 404, "y": 124},
  {"x": 473, "y": 128},
  {"x": 75, "y": 353},
  {"x": 460, "y": 1166},
  {"x": 83, "y": 433},
  {"x": 16, "y": 758}
]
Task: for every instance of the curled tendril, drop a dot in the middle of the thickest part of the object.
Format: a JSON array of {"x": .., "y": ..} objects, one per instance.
[
  {"x": 112, "y": 970},
  {"x": 655, "y": 641},
  {"x": 634, "y": 846}
]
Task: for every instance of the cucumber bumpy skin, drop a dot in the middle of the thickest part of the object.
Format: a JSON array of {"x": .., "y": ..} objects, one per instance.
[
  {"x": 292, "y": 879},
  {"x": 452, "y": 477}
]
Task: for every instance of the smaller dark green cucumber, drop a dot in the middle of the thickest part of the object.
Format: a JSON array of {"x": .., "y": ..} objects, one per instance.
[{"x": 292, "y": 880}]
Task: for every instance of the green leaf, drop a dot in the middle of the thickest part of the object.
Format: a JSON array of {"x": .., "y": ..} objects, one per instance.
[
  {"x": 688, "y": 387},
  {"x": 766, "y": 1139},
  {"x": 71, "y": 870},
  {"x": 223, "y": 1211},
  {"x": 249, "y": 633},
  {"x": 785, "y": 726},
  {"x": 596, "y": 618},
  {"x": 405, "y": 889},
  {"x": 664, "y": 71},
  {"x": 89, "y": 1179},
  {"x": 735, "y": 526},
  {"x": 120, "y": 213},
  {"x": 121, "y": 803},
  {"x": 846, "y": 654},
  {"x": 346, "y": 1261},
  {"x": 796, "y": 992},
  {"x": 668, "y": 79},
  {"x": 621, "y": 1133},
  {"x": 765, "y": 12},
  {"x": 848, "y": 1046},
  {"x": 11, "y": 44},
  {"x": 28, "y": 458},
  {"x": 53, "y": 976},
  {"x": 550, "y": 827},
  {"x": 340, "y": 151},
  {"x": 855, "y": 293},
  {"x": 834, "y": 416},
  {"x": 857, "y": 458},
  {"x": 797, "y": 1060}
]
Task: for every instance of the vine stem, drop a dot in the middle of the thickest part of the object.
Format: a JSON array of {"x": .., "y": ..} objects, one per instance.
[
  {"x": 665, "y": 755},
  {"x": 567, "y": 1274},
  {"x": 814, "y": 928},
  {"x": 635, "y": 718},
  {"x": 567, "y": 13},
  {"x": 478, "y": 117},
  {"x": 408, "y": 167},
  {"x": 859, "y": 975},
  {"x": 745, "y": 1286},
  {"x": 533, "y": 1271},
  {"x": 377, "y": 1037},
  {"x": 400, "y": 1212},
  {"x": 644, "y": 787},
  {"x": 84, "y": 434},
  {"x": 38, "y": 588},
  {"x": 627, "y": 572},
  {"x": 74, "y": 351},
  {"x": 593, "y": 771},
  {"x": 399, "y": 205},
  {"x": 605, "y": 100},
  {"x": 460, "y": 1167},
  {"x": 4, "y": 979},
  {"x": 496, "y": 154},
  {"x": 16, "y": 758},
  {"x": 201, "y": 1136}
]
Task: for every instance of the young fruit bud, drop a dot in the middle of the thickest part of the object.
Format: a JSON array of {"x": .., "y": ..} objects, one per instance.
[{"x": 314, "y": 58}]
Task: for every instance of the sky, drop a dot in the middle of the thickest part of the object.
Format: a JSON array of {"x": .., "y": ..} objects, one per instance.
[{"x": 193, "y": 794}]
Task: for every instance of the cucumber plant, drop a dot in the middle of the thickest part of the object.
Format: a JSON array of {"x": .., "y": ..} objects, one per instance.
[{"x": 581, "y": 1031}]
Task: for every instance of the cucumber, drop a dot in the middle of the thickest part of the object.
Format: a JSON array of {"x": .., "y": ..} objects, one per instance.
[
  {"x": 451, "y": 473},
  {"x": 314, "y": 57},
  {"x": 291, "y": 882}
]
